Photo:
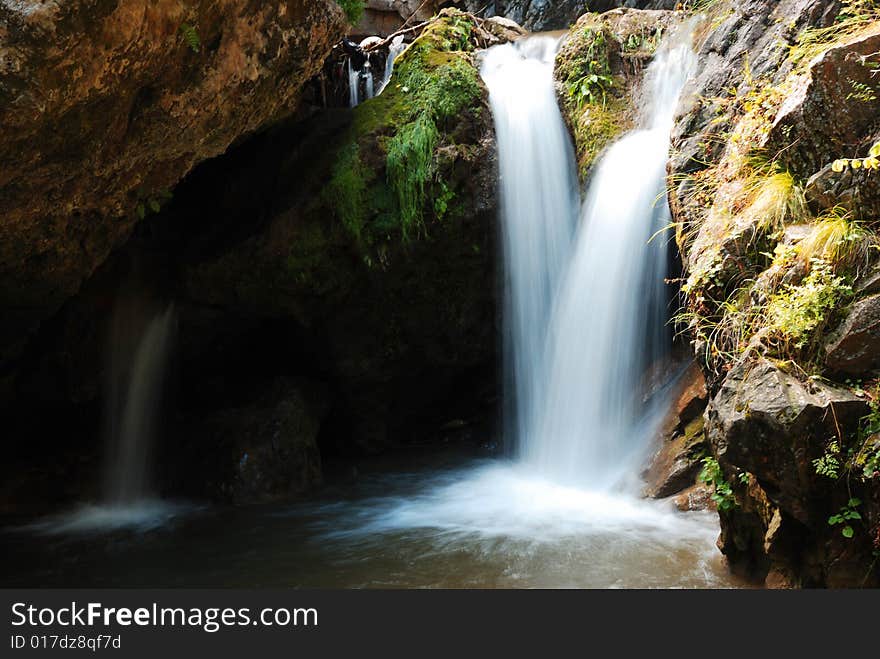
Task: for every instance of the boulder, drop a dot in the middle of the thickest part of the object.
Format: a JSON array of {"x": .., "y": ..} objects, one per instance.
[
  {"x": 854, "y": 347},
  {"x": 820, "y": 115},
  {"x": 264, "y": 450},
  {"x": 105, "y": 106},
  {"x": 769, "y": 423}
]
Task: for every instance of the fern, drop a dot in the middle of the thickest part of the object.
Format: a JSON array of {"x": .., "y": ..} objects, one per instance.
[{"x": 191, "y": 37}]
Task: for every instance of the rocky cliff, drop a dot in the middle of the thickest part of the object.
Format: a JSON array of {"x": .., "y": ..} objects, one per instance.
[{"x": 774, "y": 194}]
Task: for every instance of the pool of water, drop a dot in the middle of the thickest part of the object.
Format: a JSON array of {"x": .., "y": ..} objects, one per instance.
[{"x": 477, "y": 524}]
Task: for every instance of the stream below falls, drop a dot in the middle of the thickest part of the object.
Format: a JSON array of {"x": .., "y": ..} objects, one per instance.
[{"x": 452, "y": 521}]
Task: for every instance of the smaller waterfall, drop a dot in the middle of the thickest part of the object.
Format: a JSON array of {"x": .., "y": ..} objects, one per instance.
[
  {"x": 394, "y": 50},
  {"x": 136, "y": 398},
  {"x": 368, "y": 82},
  {"x": 354, "y": 77}
]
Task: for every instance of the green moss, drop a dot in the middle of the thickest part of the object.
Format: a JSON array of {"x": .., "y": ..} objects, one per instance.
[
  {"x": 596, "y": 127},
  {"x": 435, "y": 88}
]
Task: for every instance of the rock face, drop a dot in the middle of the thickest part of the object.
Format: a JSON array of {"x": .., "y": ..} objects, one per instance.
[
  {"x": 766, "y": 422},
  {"x": 105, "y": 106},
  {"x": 855, "y": 346},
  {"x": 382, "y": 17},
  {"x": 676, "y": 463},
  {"x": 767, "y": 428},
  {"x": 780, "y": 95}
]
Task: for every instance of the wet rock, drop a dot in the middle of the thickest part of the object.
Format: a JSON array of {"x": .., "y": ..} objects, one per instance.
[{"x": 854, "y": 348}]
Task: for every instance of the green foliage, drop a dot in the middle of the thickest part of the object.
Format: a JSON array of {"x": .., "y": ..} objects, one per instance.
[
  {"x": 191, "y": 37},
  {"x": 712, "y": 476},
  {"x": 354, "y": 10},
  {"x": 588, "y": 75},
  {"x": 442, "y": 200},
  {"x": 847, "y": 514},
  {"x": 434, "y": 91},
  {"x": 829, "y": 464},
  {"x": 438, "y": 84},
  {"x": 410, "y": 165},
  {"x": 798, "y": 313}
]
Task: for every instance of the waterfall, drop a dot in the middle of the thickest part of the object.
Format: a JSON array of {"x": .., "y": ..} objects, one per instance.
[
  {"x": 136, "y": 386},
  {"x": 368, "y": 82},
  {"x": 539, "y": 205},
  {"x": 585, "y": 310},
  {"x": 394, "y": 50},
  {"x": 353, "y": 85}
]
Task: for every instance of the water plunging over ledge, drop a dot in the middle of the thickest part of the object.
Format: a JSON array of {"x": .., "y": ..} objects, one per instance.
[{"x": 583, "y": 316}]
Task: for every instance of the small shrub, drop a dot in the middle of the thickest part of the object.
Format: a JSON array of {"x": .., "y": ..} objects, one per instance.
[
  {"x": 712, "y": 476},
  {"x": 798, "y": 313}
]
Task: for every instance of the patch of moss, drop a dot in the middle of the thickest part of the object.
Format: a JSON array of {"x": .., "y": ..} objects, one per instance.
[
  {"x": 596, "y": 127},
  {"x": 435, "y": 88}
]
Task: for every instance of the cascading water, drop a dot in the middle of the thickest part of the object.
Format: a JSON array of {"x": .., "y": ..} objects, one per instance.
[
  {"x": 588, "y": 426},
  {"x": 394, "y": 50},
  {"x": 140, "y": 344},
  {"x": 539, "y": 206},
  {"x": 354, "y": 78},
  {"x": 136, "y": 388}
]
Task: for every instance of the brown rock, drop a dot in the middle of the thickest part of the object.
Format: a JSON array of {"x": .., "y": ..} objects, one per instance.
[
  {"x": 103, "y": 106},
  {"x": 676, "y": 464},
  {"x": 696, "y": 497}
]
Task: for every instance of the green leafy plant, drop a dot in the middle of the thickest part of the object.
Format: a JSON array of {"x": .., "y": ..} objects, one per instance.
[
  {"x": 829, "y": 464},
  {"x": 713, "y": 476},
  {"x": 152, "y": 203},
  {"x": 847, "y": 514},
  {"x": 191, "y": 37},
  {"x": 798, "y": 313}
]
